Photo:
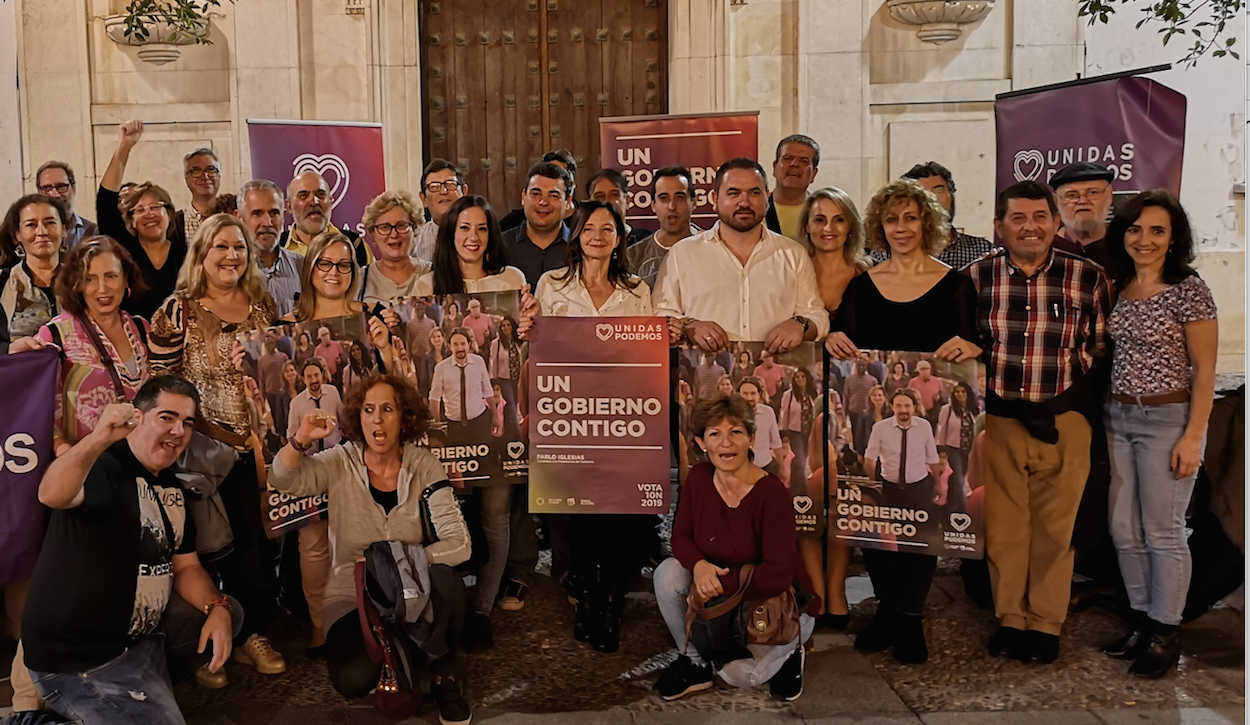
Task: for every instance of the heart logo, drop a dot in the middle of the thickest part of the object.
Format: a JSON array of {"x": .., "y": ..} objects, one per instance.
[
  {"x": 1028, "y": 165},
  {"x": 603, "y": 331},
  {"x": 515, "y": 449},
  {"x": 960, "y": 521},
  {"x": 332, "y": 168},
  {"x": 802, "y": 504}
]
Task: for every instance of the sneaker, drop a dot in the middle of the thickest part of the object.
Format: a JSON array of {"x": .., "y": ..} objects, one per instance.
[
  {"x": 787, "y": 684},
  {"x": 211, "y": 680},
  {"x": 682, "y": 678},
  {"x": 259, "y": 653},
  {"x": 512, "y": 599},
  {"x": 452, "y": 709},
  {"x": 477, "y": 633}
]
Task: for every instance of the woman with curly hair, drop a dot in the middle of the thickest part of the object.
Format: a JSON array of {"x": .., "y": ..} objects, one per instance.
[
  {"x": 911, "y": 301},
  {"x": 378, "y": 481}
]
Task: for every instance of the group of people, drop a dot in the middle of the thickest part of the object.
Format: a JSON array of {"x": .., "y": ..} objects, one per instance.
[{"x": 1088, "y": 326}]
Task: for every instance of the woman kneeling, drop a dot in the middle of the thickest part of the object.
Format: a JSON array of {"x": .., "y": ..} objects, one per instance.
[
  {"x": 732, "y": 513},
  {"x": 375, "y": 482}
]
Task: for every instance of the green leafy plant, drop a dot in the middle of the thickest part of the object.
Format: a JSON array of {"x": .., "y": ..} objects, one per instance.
[
  {"x": 1203, "y": 20},
  {"x": 186, "y": 19}
]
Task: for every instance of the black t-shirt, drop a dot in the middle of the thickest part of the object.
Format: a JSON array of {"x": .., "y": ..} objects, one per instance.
[
  {"x": 872, "y": 322},
  {"x": 105, "y": 573},
  {"x": 160, "y": 282}
]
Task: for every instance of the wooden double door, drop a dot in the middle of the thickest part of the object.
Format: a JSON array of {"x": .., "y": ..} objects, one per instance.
[{"x": 505, "y": 81}]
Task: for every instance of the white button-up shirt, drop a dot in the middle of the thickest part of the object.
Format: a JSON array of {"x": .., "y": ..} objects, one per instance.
[
  {"x": 885, "y": 444},
  {"x": 702, "y": 279},
  {"x": 446, "y": 387},
  {"x": 559, "y": 297}
]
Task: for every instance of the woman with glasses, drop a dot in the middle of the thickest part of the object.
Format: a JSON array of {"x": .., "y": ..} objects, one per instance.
[
  {"x": 143, "y": 223},
  {"x": 391, "y": 219},
  {"x": 32, "y": 245}
]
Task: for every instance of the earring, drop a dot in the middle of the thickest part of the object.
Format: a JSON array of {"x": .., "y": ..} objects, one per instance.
[
  {"x": 20, "y": 251},
  {"x": 127, "y": 296}
]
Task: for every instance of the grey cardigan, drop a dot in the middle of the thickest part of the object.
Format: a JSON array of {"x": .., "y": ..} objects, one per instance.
[{"x": 356, "y": 520}]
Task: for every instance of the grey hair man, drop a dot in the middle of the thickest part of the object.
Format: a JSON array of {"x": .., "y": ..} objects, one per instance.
[{"x": 262, "y": 211}]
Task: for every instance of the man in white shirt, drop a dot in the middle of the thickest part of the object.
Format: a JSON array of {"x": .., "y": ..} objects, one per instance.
[
  {"x": 318, "y": 394},
  {"x": 462, "y": 383},
  {"x": 441, "y": 186},
  {"x": 904, "y": 447},
  {"x": 738, "y": 280},
  {"x": 767, "y": 445}
]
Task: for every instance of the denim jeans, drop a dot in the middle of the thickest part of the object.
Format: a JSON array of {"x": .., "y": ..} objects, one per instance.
[
  {"x": 495, "y": 505},
  {"x": 135, "y": 688},
  {"x": 1147, "y": 506}
]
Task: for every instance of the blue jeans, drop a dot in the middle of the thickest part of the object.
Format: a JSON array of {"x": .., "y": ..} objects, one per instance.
[
  {"x": 495, "y": 510},
  {"x": 1147, "y": 506},
  {"x": 135, "y": 688}
]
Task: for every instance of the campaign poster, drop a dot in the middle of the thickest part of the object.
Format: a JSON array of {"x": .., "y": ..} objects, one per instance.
[
  {"x": 463, "y": 354},
  {"x": 941, "y": 508},
  {"x": 291, "y": 369},
  {"x": 30, "y": 379},
  {"x": 347, "y": 155},
  {"x": 1133, "y": 126},
  {"x": 598, "y": 407},
  {"x": 639, "y": 145},
  {"x": 786, "y": 391}
]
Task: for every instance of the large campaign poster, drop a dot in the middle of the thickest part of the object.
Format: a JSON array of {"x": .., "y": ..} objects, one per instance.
[
  {"x": 638, "y": 145},
  {"x": 598, "y": 407},
  {"x": 348, "y": 155},
  {"x": 25, "y": 452},
  {"x": 870, "y": 398},
  {"x": 1133, "y": 126}
]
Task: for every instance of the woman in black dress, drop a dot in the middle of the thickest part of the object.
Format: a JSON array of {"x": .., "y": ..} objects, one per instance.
[{"x": 911, "y": 301}]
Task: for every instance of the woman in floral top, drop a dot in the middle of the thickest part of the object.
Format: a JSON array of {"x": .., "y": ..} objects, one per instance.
[
  {"x": 196, "y": 333},
  {"x": 1162, "y": 389},
  {"x": 32, "y": 245}
]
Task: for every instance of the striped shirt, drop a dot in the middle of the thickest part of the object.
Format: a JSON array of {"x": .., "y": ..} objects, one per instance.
[
  {"x": 282, "y": 280},
  {"x": 1044, "y": 331}
]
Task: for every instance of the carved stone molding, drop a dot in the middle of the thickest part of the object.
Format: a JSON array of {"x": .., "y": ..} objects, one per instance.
[{"x": 939, "y": 21}]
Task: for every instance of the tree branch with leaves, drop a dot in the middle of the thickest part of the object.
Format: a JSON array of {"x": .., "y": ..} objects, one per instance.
[{"x": 1206, "y": 21}]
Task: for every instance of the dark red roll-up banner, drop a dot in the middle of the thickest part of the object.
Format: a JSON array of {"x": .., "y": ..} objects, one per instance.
[
  {"x": 638, "y": 145},
  {"x": 1133, "y": 126}
]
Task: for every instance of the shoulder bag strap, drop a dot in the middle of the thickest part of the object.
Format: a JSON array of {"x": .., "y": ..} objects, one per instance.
[
  {"x": 696, "y": 610},
  {"x": 105, "y": 357}
]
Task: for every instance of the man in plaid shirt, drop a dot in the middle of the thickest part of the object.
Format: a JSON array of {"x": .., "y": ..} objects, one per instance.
[{"x": 1043, "y": 314}]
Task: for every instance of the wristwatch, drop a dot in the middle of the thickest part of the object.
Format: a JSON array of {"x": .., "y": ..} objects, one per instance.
[{"x": 806, "y": 323}]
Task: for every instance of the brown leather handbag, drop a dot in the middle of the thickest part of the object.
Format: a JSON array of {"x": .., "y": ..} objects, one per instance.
[{"x": 772, "y": 621}]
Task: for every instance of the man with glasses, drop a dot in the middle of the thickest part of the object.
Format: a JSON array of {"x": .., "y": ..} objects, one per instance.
[
  {"x": 309, "y": 201},
  {"x": 56, "y": 179},
  {"x": 1085, "y": 195},
  {"x": 202, "y": 173},
  {"x": 261, "y": 209},
  {"x": 441, "y": 185}
]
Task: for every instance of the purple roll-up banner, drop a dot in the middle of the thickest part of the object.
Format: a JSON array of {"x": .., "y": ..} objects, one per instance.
[{"x": 25, "y": 452}]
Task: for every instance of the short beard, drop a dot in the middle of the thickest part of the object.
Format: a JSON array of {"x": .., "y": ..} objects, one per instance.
[{"x": 738, "y": 226}]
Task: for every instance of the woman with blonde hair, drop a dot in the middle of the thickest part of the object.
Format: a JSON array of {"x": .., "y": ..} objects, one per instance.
[
  {"x": 391, "y": 219},
  {"x": 197, "y": 334},
  {"x": 835, "y": 236}
]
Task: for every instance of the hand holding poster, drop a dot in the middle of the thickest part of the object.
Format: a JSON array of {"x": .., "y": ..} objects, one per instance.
[
  {"x": 598, "y": 415},
  {"x": 904, "y": 437},
  {"x": 25, "y": 452}
]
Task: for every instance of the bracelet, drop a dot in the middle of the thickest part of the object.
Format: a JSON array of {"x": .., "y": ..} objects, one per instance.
[
  {"x": 296, "y": 445},
  {"x": 221, "y": 601}
]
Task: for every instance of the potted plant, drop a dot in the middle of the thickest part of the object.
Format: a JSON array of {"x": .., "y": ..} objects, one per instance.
[{"x": 159, "y": 27}]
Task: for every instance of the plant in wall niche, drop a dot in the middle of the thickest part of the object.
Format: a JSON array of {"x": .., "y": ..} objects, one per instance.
[
  {"x": 1204, "y": 20},
  {"x": 158, "y": 27}
]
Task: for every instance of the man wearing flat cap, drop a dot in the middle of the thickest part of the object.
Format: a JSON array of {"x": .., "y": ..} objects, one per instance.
[{"x": 1084, "y": 193}]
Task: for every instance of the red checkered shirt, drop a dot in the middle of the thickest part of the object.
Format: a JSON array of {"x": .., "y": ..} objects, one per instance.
[{"x": 1043, "y": 331}]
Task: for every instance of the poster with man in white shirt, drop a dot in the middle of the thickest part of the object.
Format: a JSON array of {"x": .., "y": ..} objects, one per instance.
[{"x": 467, "y": 412}]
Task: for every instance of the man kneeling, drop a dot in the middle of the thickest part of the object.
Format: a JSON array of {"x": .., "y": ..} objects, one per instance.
[{"x": 102, "y": 632}]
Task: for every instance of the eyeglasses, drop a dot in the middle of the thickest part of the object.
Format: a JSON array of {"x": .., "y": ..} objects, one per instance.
[
  {"x": 58, "y": 188},
  {"x": 196, "y": 172},
  {"x": 325, "y": 265},
  {"x": 141, "y": 210},
  {"x": 445, "y": 187},
  {"x": 1074, "y": 196},
  {"x": 385, "y": 229}
]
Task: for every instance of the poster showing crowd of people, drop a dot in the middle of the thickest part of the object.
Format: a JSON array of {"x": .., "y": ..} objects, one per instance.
[
  {"x": 904, "y": 430},
  {"x": 598, "y": 415},
  {"x": 464, "y": 356},
  {"x": 294, "y": 368}
]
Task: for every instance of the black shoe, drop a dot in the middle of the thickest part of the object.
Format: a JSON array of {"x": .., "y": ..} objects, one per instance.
[
  {"x": 1006, "y": 642},
  {"x": 838, "y": 622},
  {"x": 512, "y": 597},
  {"x": 452, "y": 709},
  {"x": 315, "y": 653},
  {"x": 477, "y": 633},
  {"x": 1134, "y": 644},
  {"x": 1162, "y": 654},
  {"x": 787, "y": 684},
  {"x": 609, "y": 601},
  {"x": 909, "y": 644},
  {"x": 1039, "y": 647},
  {"x": 575, "y": 586},
  {"x": 879, "y": 634},
  {"x": 682, "y": 678}
]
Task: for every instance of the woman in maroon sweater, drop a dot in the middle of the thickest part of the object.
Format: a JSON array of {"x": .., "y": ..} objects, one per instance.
[{"x": 732, "y": 513}]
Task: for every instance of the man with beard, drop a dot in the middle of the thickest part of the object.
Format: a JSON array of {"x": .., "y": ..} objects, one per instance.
[
  {"x": 794, "y": 168},
  {"x": 441, "y": 185},
  {"x": 1085, "y": 195},
  {"x": 318, "y": 394},
  {"x": 740, "y": 280},
  {"x": 260, "y": 208},
  {"x": 120, "y": 606},
  {"x": 462, "y": 383},
  {"x": 541, "y": 243},
  {"x": 309, "y": 201},
  {"x": 672, "y": 193}
]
